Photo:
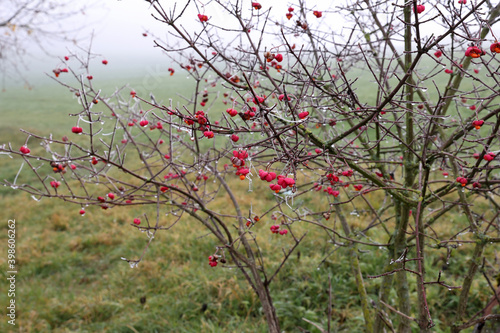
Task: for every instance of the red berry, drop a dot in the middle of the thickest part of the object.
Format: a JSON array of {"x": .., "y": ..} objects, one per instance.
[
  {"x": 278, "y": 57},
  {"x": 94, "y": 160},
  {"x": 495, "y": 47},
  {"x": 289, "y": 15},
  {"x": 133, "y": 93},
  {"x": 303, "y": 115},
  {"x": 104, "y": 62},
  {"x": 232, "y": 112},
  {"x": 25, "y": 150},
  {"x": 55, "y": 184},
  {"x": 448, "y": 71},
  {"x": 419, "y": 9},
  {"x": 137, "y": 221},
  {"x": 72, "y": 166},
  {"x": 318, "y": 14},
  {"x": 347, "y": 173},
  {"x": 275, "y": 229},
  {"x": 82, "y": 212},
  {"x": 275, "y": 187},
  {"x": 111, "y": 196},
  {"x": 358, "y": 187},
  {"x": 66, "y": 58},
  {"x": 76, "y": 129},
  {"x": 256, "y": 5},
  {"x": 203, "y": 18},
  {"x": 290, "y": 9},
  {"x": 90, "y": 77},
  {"x": 282, "y": 97},
  {"x": 235, "y": 138},
  {"x": 462, "y": 181},
  {"x": 474, "y": 52},
  {"x": 438, "y": 53},
  {"x": 208, "y": 134},
  {"x": 143, "y": 122},
  {"x": 477, "y": 124},
  {"x": 489, "y": 157}
]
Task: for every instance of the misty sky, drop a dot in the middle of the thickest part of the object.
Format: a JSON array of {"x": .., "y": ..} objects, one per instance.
[{"x": 118, "y": 26}]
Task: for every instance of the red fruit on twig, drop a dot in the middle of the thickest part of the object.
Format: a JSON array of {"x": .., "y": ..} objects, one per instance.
[
  {"x": 256, "y": 5},
  {"x": 55, "y": 184},
  {"x": 303, "y": 115},
  {"x": 462, "y": 181},
  {"x": 489, "y": 157},
  {"x": 477, "y": 124},
  {"x": 25, "y": 150},
  {"x": 203, "y": 18},
  {"x": 76, "y": 129},
  {"x": 419, "y": 9},
  {"x": 495, "y": 47},
  {"x": 474, "y": 52}
]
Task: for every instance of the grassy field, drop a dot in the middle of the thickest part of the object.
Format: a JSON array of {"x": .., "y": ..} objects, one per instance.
[{"x": 71, "y": 277}]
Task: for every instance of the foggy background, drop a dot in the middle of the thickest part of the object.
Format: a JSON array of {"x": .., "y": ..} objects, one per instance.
[{"x": 118, "y": 27}]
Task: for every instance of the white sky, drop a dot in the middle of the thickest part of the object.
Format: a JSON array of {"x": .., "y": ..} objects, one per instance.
[{"x": 118, "y": 26}]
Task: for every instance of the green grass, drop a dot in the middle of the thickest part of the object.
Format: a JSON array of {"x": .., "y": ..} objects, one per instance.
[{"x": 71, "y": 277}]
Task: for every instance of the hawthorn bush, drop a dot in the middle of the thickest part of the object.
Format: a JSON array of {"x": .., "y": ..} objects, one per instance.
[{"x": 278, "y": 109}]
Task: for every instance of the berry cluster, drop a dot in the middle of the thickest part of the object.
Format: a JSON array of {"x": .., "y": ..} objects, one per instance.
[
  {"x": 283, "y": 182},
  {"x": 477, "y": 124},
  {"x": 76, "y": 129},
  {"x": 275, "y": 229},
  {"x": 25, "y": 150},
  {"x": 419, "y": 9},
  {"x": 214, "y": 259},
  {"x": 256, "y": 5},
  {"x": 463, "y": 181}
]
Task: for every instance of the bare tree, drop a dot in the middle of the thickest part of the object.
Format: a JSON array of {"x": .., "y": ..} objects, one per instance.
[{"x": 31, "y": 26}]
